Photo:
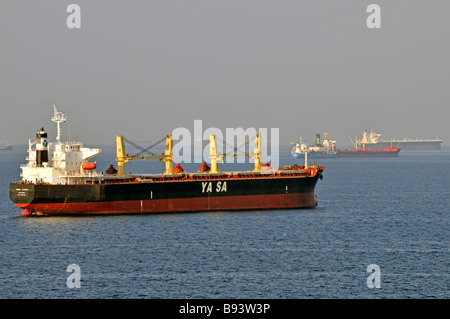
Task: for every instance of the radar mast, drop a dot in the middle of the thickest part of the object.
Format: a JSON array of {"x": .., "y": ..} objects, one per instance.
[{"x": 58, "y": 118}]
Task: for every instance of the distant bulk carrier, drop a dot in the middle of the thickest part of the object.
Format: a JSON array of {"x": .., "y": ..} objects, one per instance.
[{"x": 59, "y": 179}]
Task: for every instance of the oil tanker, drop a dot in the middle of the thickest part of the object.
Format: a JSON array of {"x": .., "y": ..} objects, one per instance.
[
  {"x": 61, "y": 179},
  {"x": 373, "y": 140}
]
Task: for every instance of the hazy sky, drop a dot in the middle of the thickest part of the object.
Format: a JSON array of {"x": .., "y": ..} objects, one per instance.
[{"x": 144, "y": 68}]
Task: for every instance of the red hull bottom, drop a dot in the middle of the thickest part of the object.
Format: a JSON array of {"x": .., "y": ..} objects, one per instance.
[{"x": 275, "y": 201}]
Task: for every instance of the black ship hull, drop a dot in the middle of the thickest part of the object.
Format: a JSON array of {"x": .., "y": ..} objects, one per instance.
[{"x": 170, "y": 194}]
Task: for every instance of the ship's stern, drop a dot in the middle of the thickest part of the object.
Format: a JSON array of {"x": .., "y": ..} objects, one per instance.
[{"x": 22, "y": 195}]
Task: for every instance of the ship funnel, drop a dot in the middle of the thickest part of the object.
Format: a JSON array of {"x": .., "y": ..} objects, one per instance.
[
  {"x": 41, "y": 147},
  {"x": 317, "y": 140}
]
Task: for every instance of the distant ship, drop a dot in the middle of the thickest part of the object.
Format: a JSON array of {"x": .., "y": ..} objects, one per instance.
[
  {"x": 365, "y": 152},
  {"x": 326, "y": 148},
  {"x": 373, "y": 140},
  {"x": 322, "y": 148},
  {"x": 5, "y": 146}
]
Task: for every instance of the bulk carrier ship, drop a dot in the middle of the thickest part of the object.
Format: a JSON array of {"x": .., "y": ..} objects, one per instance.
[{"x": 60, "y": 179}]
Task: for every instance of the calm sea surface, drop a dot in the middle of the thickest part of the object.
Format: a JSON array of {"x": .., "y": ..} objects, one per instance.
[{"x": 393, "y": 213}]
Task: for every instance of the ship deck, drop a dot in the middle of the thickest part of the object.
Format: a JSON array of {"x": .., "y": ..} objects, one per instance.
[{"x": 287, "y": 172}]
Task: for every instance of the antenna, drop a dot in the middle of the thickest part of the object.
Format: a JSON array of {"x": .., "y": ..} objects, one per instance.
[{"x": 58, "y": 118}]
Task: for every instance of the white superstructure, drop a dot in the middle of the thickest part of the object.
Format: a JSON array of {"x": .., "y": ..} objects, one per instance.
[
  {"x": 369, "y": 138},
  {"x": 63, "y": 162}
]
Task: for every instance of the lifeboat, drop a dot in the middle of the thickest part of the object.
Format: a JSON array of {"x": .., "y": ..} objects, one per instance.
[{"x": 89, "y": 166}]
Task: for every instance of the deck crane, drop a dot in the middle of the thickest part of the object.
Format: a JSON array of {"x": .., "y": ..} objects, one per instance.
[
  {"x": 123, "y": 158},
  {"x": 256, "y": 155}
]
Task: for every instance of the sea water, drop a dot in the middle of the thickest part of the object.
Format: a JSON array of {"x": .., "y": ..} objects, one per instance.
[{"x": 392, "y": 213}]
